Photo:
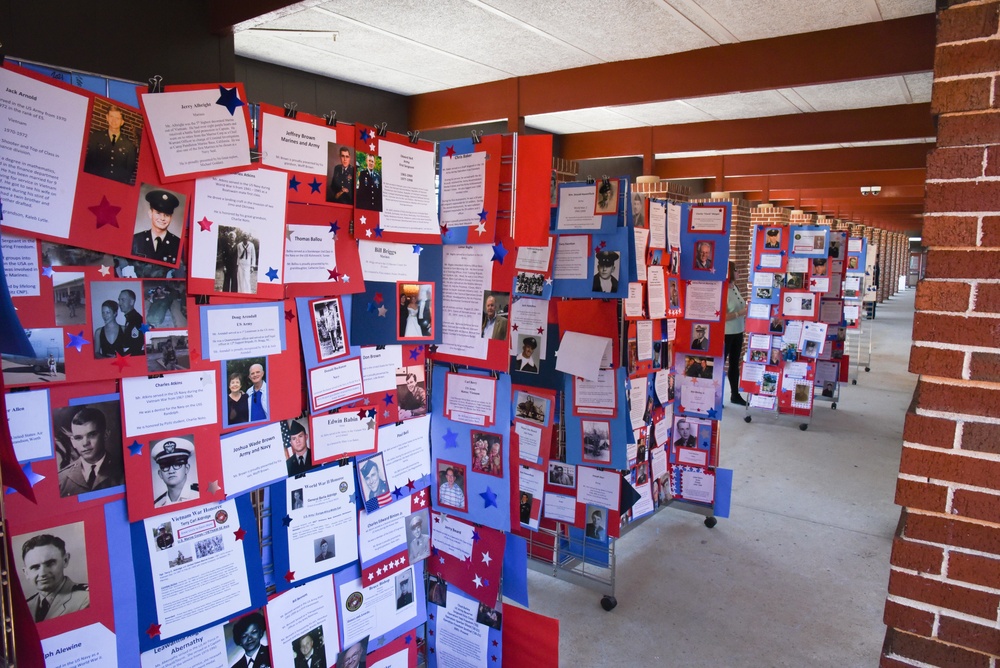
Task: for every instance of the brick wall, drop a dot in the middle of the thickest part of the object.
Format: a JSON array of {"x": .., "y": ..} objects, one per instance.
[{"x": 944, "y": 584}]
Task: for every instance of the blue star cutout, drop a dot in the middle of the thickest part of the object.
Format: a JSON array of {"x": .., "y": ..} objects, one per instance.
[
  {"x": 712, "y": 413},
  {"x": 450, "y": 439},
  {"x": 334, "y": 227},
  {"x": 365, "y": 135},
  {"x": 482, "y": 215},
  {"x": 144, "y": 327},
  {"x": 398, "y": 493},
  {"x": 286, "y": 520},
  {"x": 77, "y": 341},
  {"x": 47, "y": 272},
  {"x": 486, "y": 582},
  {"x": 135, "y": 449},
  {"x": 371, "y": 412},
  {"x": 230, "y": 99},
  {"x": 475, "y": 535},
  {"x": 378, "y": 232},
  {"x": 271, "y": 273},
  {"x": 372, "y": 307},
  {"x": 415, "y": 353},
  {"x": 314, "y": 185},
  {"x": 294, "y": 184},
  {"x": 387, "y": 399},
  {"x": 408, "y": 639},
  {"x": 499, "y": 252},
  {"x": 33, "y": 478},
  {"x": 417, "y": 248},
  {"x": 489, "y": 498}
]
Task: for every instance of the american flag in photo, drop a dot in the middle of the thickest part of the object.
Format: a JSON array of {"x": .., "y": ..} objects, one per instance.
[{"x": 371, "y": 505}]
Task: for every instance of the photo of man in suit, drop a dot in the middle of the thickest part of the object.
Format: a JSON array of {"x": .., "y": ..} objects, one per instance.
[
  {"x": 494, "y": 324},
  {"x": 703, "y": 255},
  {"x": 606, "y": 276},
  {"x": 96, "y": 466}
]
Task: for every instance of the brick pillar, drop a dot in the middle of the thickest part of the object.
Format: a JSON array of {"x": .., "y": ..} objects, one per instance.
[{"x": 944, "y": 584}]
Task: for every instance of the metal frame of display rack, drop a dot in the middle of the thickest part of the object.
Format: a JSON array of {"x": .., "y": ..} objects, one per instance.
[{"x": 856, "y": 343}]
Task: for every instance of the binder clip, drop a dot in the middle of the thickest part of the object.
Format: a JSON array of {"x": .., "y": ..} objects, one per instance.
[
  {"x": 381, "y": 129},
  {"x": 291, "y": 109},
  {"x": 331, "y": 118},
  {"x": 350, "y": 228},
  {"x": 155, "y": 84},
  {"x": 477, "y": 137},
  {"x": 590, "y": 180},
  {"x": 413, "y": 135}
]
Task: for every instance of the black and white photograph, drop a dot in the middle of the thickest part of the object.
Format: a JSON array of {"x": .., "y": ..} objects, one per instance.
[
  {"x": 167, "y": 351},
  {"x": 606, "y": 197},
  {"x": 328, "y": 325},
  {"x": 404, "y": 588},
  {"x": 606, "y": 269},
  {"x": 530, "y": 407},
  {"x": 246, "y": 642},
  {"x": 418, "y": 533},
  {"x": 88, "y": 447},
  {"x": 179, "y": 557},
  {"x": 236, "y": 261},
  {"x": 411, "y": 392},
  {"x": 52, "y": 565},
  {"x": 175, "y": 471},
  {"x": 116, "y": 312},
  {"x": 562, "y": 474},
  {"x": 529, "y": 284},
  {"x": 596, "y": 441},
  {"x": 208, "y": 546},
  {"x": 323, "y": 548},
  {"x": 526, "y": 360}
]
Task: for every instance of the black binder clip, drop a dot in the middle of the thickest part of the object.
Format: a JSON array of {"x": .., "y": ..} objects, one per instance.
[
  {"x": 477, "y": 137},
  {"x": 331, "y": 118},
  {"x": 291, "y": 109},
  {"x": 381, "y": 129},
  {"x": 590, "y": 180},
  {"x": 155, "y": 84},
  {"x": 414, "y": 136},
  {"x": 399, "y": 424}
]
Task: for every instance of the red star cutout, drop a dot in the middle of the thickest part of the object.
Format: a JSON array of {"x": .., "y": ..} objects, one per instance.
[
  {"x": 541, "y": 330},
  {"x": 601, "y": 245},
  {"x": 495, "y": 643},
  {"x": 450, "y": 152},
  {"x": 120, "y": 361},
  {"x": 812, "y": 282},
  {"x": 513, "y": 327},
  {"x": 205, "y": 224},
  {"x": 444, "y": 229},
  {"x": 289, "y": 315},
  {"x": 289, "y": 576},
  {"x": 105, "y": 212},
  {"x": 718, "y": 313},
  {"x": 153, "y": 630},
  {"x": 378, "y": 298},
  {"x": 410, "y": 483},
  {"x": 334, "y": 274},
  {"x": 362, "y": 413},
  {"x": 240, "y": 533}
]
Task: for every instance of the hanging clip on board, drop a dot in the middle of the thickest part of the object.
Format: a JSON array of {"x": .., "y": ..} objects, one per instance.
[
  {"x": 331, "y": 118},
  {"x": 590, "y": 180},
  {"x": 155, "y": 84},
  {"x": 477, "y": 137},
  {"x": 381, "y": 129},
  {"x": 291, "y": 110},
  {"x": 413, "y": 135}
]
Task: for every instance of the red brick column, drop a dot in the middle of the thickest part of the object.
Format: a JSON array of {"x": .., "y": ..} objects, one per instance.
[{"x": 944, "y": 584}]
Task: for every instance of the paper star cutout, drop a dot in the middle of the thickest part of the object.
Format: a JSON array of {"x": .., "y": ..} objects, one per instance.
[
  {"x": 487, "y": 558},
  {"x": 382, "y": 310},
  {"x": 541, "y": 330},
  {"x": 408, "y": 639},
  {"x": 144, "y": 327},
  {"x": 371, "y": 424},
  {"x": 365, "y": 135},
  {"x": 135, "y": 449},
  {"x": 417, "y": 248},
  {"x": 441, "y": 559},
  {"x": 513, "y": 327},
  {"x": 489, "y": 498},
  {"x": 333, "y": 274},
  {"x": 240, "y": 533},
  {"x": 411, "y": 484},
  {"x": 271, "y": 273},
  {"x": 444, "y": 230},
  {"x": 364, "y": 220},
  {"x": 314, "y": 185},
  {"x": 482, "y": 215},
  {"x": 475, "y": 538},
  {"x": 371, "y": 147},
  {"x": 495, "y": 643},
  {"x": 214, "y": 487},
  {"x": 371, "y": 576},
  {"x": 286, "y": 520},
  {"x": 368, "y": 233},
  {"x": 106, "y": 213},
  {"x": 499, "y": 252},
  {"x": 371, "y": 412},
  {"x": 494, "y": 657},
  {"x": 548, "y": 281},
  {"x": 47, "y": 272},
  {"x": 433, "y": 348},
  {"x": 378, "y": 571},
  {"x": 153, "y": 630},
  {"x": 230, "y": 99},
  {"x": 294, "y": 184},
  {"x": 33, "y": 478},
  {"x": 387, "y": 399},
  {"x": 288, "y": 233},
  {"x": 481, "y": 228},
  {"x": 450, "y": 439},
  {"x": 334, "y": 228},
  {"x": 449, "y": 152},
  {"x": 385, "y": 413},
  {"x": 289, "y": 576},
  {"x": 379, "y": 298},
  {"x": 398, "y": 493},
  {"x": 105, "y": 270},
  {"x": 378, "y": 232},
  {"x": 478, "y": 580},
  {"x": 712, "y": 413},
  {"x": 77, "y": 341},
  {"x": 415, "y": 353},
  {"x": 205, "y": 224},
  {"x": 362, "y": 413},
  {"x": 289, "y": 315},
  {"x": 120, "y": 361}
]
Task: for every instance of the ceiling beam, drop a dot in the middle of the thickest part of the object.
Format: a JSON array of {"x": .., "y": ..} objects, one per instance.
[
  {"x": 899, "y": 122},
  {"x": 879, "y": 49},
  {"x": 854, "y": 179}
]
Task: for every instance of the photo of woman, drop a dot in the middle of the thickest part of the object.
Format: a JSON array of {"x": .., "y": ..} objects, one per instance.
[{"x": 108, "y": 337}]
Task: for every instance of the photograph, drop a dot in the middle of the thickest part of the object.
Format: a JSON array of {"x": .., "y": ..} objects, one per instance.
[
  {"x": 323, "y": 548},
  {"x": 339, "y": 174},
  {"x": 596, "y": 441},
  {"x": 704, "y": 255},
  {"x": 113, "y": 142},
  {"x": 179, "y": 558},
  {"x": 60, "y": 255},
  {"x": 762, "y": 293},
  {"x": 69, "y": 298},
  {"x": 297, "y": 499},
  {"x": 487, "y": 453},
  {"x": 527, "y": 360},
  {"x": 246, "y": 642},
  {"x": 354, "y": 656},
  {"x": 529, "y": 283},
  {"x": 803, "y": 393},
  {"x": 606, "y": 268},
  {"x": 758, "y": 356},
  {"x": 496, "y": 309},
  {"x": 451, "y": 485},
  {"x": 673, "y": 294},
  {"x": 404, "y": 589},
  {"x": 684, "y": 433},
  {"x": 699, "y": 337},
  {"x": 309, "y": 649},
  {"x": 88, "y": 447},
  {"x": 795, "y": 281},
  {"x": 416, "y": 310},
  {"x": 675, "y": 262},
  {"x": 530, "y": 407},
  {"x": 642, "y": 473},
  {"x": 769, "y": 383},
  {"x": 596, "y": 523},
  {"x": 772, "y": 238},
  {"x": 175, "y": 472},
  {"x": 698, "y": 367},
  {"x": 210, "y": 545},
  {"x": 374, "y": 486},
  {"x": 245, "y": 392},
  {"x": 655, "y": 257},
  {"x": 159, "y": 223},
  {"x": 328, "y": 326},
  {"x": 118, "y": 320},
  {"x": 437, "y": 590},
  {"x": 776, "y": 325},
  {"x": 52, "y": 565},
  {"x": 418, "y": 532},
  {"x": 45, "y": 364},
  {"x": 411, "y": 393},
  {"x": 852, "y": 262},
  {"x": 298, "y": 454},
  {"x": 368, "y": 191},
  {"x": 489, "y": 616},
  {"x": 167, "y": 351},
  {"x": 606, "y": 197},
  {"x": 164, "y": 303},
  {"x": 236, "y": 261},
  {"x": 525, "y": 507},
  {"x": 163, "y": 535},
  {"x": 775, "y": 357},
  {"x": 563, "y": 475}
]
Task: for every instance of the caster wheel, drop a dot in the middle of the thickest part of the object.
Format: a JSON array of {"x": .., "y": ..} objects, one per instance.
[
  {"x": 854, "y": 382},
  {"x": 833, "y": 405},
  {"x": 609, "y": 603},
  {"x": 803, "y": 427},
  {"x": 710, "y": 522},
  {"x": 748, "y": 419},
  {"x": 867, "y": 369}
]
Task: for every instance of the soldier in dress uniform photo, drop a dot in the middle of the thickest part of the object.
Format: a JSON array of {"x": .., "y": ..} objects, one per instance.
[
  {"x": 157, "y": 242},
  {"x": 172, "y": 461},
  {"x": 111, "y": 151},
  {"x": 605, "y": 278}
]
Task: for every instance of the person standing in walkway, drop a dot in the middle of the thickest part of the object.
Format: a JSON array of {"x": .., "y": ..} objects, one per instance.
[{"x": 736, "y": 311}]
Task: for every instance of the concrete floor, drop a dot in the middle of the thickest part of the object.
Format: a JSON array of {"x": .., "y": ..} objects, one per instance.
[{"x": 797, "y": 575}]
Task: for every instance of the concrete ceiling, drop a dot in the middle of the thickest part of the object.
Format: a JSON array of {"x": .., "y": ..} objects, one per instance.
[{"x": 695, "y": 63}]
